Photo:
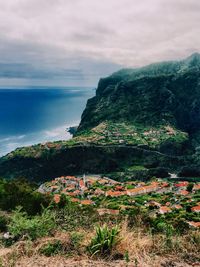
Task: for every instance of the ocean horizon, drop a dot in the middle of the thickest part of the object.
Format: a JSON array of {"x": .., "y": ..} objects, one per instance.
[{"x": 32, "y": 115}]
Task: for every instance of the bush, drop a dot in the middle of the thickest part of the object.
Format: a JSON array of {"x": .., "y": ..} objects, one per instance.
[
  {"x": 51, "y": 249},
  {"x": 73, "y": 216},
  {"x": 21, "y": 225},
  {"x": 104, "y": 241},
  {"x": 20, "y": 192},
  {"x": 3, "y": 223}
]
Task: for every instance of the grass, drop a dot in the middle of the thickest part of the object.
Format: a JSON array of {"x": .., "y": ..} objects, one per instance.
[{"x": 135, "y": 245}]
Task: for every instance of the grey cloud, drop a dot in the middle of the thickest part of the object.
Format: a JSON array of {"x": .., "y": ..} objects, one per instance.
[{"x": 93, "y": 38}]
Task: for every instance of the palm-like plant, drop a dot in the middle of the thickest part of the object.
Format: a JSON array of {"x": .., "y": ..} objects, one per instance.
[{"x": 104, "y": 241}]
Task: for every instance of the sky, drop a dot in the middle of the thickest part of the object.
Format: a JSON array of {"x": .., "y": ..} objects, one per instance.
[{"x": 75, "y": 42}]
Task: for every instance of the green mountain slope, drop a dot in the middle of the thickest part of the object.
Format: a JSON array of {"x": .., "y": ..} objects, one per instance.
[{"x": 159, "y": 94}]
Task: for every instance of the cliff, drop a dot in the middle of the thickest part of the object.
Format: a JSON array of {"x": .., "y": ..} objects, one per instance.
[{"x": 159, "y": 94}]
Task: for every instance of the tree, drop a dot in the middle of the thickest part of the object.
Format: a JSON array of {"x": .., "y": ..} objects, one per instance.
[{"x": 190, "y": 187}]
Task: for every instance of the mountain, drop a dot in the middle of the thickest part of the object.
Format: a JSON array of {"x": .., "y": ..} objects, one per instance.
[
  {"x": 141, "y": 122},
  {"x": 161, "y": 93}
]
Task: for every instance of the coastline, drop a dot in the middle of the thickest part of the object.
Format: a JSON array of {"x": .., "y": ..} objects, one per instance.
[{"x": 10, "y": 143}]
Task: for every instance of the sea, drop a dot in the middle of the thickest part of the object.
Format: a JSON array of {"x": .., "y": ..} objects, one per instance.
[{"x": 35, "y": 115}]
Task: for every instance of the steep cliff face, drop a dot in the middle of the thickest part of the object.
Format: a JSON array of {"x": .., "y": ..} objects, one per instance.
[{"x": 159, "y": 94}]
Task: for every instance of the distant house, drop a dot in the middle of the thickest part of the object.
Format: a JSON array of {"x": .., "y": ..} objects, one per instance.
[
  {"x": 194, "y": 224},
  {"x": 196, "y": 187},
  {"x": 115, "y": 193},
  {"x": 182, "y": 184},
  {"x": 119, "y": 188},
  {"x": 177, "y": 206},
  {"x": 196, "y": 209},
  {"x": 164, "y": 209},
  {"x": 165, "y": 184},
  {"x": 73, "y": 194},
  {"x": 153, "y": 187},
  {"x": 183, "y": 192},
  {"x": 56, "y": 198},
  {"x": 86, "y": 202},
  {"x": 54, "y": 188},
  {"x": 99, "y": 192}
]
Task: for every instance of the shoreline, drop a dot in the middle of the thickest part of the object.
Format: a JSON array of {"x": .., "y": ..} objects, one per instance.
[{"x": 10, "y": 143}]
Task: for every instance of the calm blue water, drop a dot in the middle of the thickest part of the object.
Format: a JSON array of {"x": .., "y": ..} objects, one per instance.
[{"x": 34, "y": 115}]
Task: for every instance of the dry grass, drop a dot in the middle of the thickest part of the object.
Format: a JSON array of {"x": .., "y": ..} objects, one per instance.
[{"x": 138, "y": 248}]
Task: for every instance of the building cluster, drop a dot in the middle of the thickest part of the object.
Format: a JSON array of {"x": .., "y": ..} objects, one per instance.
[{"x": 85, "y": 189}]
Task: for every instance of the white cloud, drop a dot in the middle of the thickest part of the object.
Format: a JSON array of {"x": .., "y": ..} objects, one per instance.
[{"x": 97, "y": 37}]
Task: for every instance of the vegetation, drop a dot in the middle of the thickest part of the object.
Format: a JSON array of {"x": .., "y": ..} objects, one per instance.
[
  {"x": 104, "y": 241},
  {"x": 51, "y": 248},
  {"x": 142, "y": 123},
  {"x": 21, "y": 226},
  {"x": 136, "y": 233}
]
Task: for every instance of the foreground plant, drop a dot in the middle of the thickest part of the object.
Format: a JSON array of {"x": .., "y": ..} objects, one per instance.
[
  {"x": 23, "y": 226},
  {"x": 104, "y": 241}
]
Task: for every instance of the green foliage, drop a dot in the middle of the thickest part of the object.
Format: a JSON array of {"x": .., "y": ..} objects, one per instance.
[
  {"x": 20, "y": 192},
  {"x": 73, "y": 216},
  {"x": 3, "y": 223},
  {"x": 104, "y": 241},
  {"x": 51, "y": 248},
  {"x": 126, "y": 257},
  {"x": 21, "y": 225},
  {"x": 75, "y": 240},
  {"x": 190, "y": 187}
]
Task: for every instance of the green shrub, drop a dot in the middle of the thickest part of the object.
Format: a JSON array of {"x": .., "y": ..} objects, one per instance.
[
  {"x": 3, "y": 223},
  {"x": 104, "y": 241},
  {"x": 51, "y": 248},
  {"x": 75, "y": 240},
  {"x": 21, "y": 225}
]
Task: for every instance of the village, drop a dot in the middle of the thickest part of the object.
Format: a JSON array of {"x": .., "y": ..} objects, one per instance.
[{"x": 158, "y": 196}]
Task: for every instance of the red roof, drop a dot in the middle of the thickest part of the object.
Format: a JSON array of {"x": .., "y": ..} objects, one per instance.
[
  {"x": 182, "y": 184},
  {"x": 196, "y": 187},
  {"x": 196, "y": 208},
  {"x": 115, "y": 193},
  {"x": 164, "y": 209},
  {"x": 56, "y": 198},
  {"x": 164, "y": 184},
  {"x": 119, "y": 188},
  {"x": 75, "y": 193},
  {"x": 183, "y": 192},
  {"x": 177, "y": 206},
  {"x": 86, "y": 202},
  {"x": 194, "y": 224},
  {"x": 81, "y": 183}
]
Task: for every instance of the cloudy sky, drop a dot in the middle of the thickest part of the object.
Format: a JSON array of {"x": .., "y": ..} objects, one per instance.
[{"x": 74, "y": 42}]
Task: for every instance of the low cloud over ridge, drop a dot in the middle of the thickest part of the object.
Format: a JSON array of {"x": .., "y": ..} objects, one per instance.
[{"x": 75, "y": 42}]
